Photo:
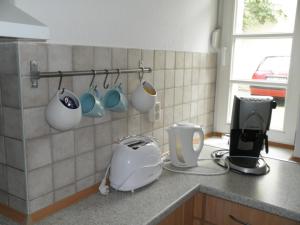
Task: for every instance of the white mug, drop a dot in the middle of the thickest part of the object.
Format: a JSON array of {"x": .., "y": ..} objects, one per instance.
[
  {"x": 60, "y": 116},
  {"x": 144, "y": 96}
]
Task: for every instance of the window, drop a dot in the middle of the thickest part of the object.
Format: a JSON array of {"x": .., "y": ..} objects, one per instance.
[{"x": 257, "y": 43}]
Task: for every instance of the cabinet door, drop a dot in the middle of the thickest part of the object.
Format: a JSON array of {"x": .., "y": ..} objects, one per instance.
[
  {"x": 183, "y": 215},
  {"x": 222, "y": 212},
  {"x": 175, "y": 218},
  {"x": 198, "y": 208}
]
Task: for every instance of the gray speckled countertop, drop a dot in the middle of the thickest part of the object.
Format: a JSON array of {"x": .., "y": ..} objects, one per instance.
[{"x": 277, "y": 192}]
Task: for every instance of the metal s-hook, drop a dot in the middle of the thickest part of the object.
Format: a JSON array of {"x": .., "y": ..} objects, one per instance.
[
  {"x": 105, "y": 85},
  {"x": 60, "y": 81},
  {"x": 94, "y": 75},
  {"x": 116, "y": 80},
  {"x": 141, "y": 74}
]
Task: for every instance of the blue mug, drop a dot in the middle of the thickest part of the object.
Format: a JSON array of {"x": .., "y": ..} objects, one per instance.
[
  {"x": 91, "y": 104},
  {"x": 115, "y": 100}
]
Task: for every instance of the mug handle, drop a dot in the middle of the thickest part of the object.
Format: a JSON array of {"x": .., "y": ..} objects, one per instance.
[
  {"x": 95, "y": 91},
  {"x": 119, "y": 88}
]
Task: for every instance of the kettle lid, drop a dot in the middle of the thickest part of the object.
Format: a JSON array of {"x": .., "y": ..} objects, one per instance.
[{"x": 184, "y": 125}]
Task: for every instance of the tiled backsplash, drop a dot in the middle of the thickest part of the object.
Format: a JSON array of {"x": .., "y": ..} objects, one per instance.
[
  {"x": 12, "y": 155},
  {"x": 59, "y": 164}
]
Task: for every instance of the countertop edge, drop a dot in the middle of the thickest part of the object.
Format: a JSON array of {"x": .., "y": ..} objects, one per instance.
[
  {"x": 230, "y": 196},
  {"x": 253, "y": 203}
]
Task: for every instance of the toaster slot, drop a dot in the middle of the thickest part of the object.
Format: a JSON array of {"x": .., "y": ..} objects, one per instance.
[{"x": 136, "y": 144}]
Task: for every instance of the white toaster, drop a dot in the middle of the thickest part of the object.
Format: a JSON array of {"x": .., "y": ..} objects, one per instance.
[{"x": 136, "y": 162}]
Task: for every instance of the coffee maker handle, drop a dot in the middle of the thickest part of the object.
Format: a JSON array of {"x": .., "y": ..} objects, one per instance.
[{"x": 201, "y": 134}]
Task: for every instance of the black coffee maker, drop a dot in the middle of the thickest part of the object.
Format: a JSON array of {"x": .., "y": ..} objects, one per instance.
[{"x": 250, "y": 122}]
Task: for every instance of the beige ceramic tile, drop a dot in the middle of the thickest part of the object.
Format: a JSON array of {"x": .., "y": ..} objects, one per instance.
[
  {"x": 64, "y": 192},
  {"x": 168, "y": 116},
  {"x": 170, "y": 59},
  {"x": 17, "y": 204},
  {"x": 169, "y": 97},
  {"x": 41, "y": 202},
  {"x": 32, "y": 51},
  {"x": 103, "y": 134},
  {"x": 119, "y": 58},
  {"x": 187, "y": 94},
  {"x": 3, "y": 180},
  {"x": 194, "y": 109},
  {"x": 187, "y": 80},
  {"x": 178, "y": 113},
  {"x": 148, "y": 58},
  {"x": 14, "y": 153},
  {"x": 102, "y": 58},
  {"x": 195, "y": 94},
  {"x": 8, "y": 58},
  {"x": 186, "y": 111},
  {"x": 169, "y": 79},
  {"x": 119, "y": 129},
  {"x": 85, "y": 183},
  {"x": 84, "y": 140},
  {"x": 59, "y": 57},
  {"x": 196, "y": 59},
  {"x": 64, "y": 173},
  {"x": 188, "y": 60},
  {"x": 179, "y": 77},
  {"x": 134, "y": 58},
  {"x": 134, "y": 125},
  {"x": 82, "y": 57},
  {"x": 159, "y": 134},
  {"x": 195, "y": 76},
  {"x": 85, "y": 165},
  {"x": 38, "y": 152},
  {"x": 63, "y": 145},
  {"x": 103, "y": 157},
  {"x": 146, "y": 125},
  {"x": 179, "y": 60},
  {"x": 159, "y": 59},
  {"x": 2, "y": 151},
  {"x": 10, "y": 91},
  {"x": 39, "y": 182},
  {"x": 178, "y": 95},
  {"x": 159, "y": 79}
]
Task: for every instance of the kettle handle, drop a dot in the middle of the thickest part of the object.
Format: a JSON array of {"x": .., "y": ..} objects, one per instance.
[{"x": 201, "y": 133}]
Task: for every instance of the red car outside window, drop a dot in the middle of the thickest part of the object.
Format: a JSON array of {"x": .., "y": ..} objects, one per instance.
[{"x": 273, "y": 69}]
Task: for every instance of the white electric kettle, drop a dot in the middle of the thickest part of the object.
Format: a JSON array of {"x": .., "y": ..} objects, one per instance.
[{"x": 182, "y": 151}]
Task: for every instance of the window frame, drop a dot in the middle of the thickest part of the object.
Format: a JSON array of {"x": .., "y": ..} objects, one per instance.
[{"x": 227, "y": 21}]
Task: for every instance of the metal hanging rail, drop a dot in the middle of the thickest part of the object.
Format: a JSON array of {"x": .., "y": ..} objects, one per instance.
[{"x": 35, "y": 74}]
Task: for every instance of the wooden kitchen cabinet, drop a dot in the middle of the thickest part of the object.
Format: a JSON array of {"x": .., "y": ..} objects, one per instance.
[
  {"x": 190, "y": 213},
  {"x": 222, "y": 212},
  {"x": 207, "y": 210}
]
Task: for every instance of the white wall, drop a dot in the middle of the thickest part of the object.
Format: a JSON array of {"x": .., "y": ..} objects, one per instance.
[{"x": 183, "y": 25}]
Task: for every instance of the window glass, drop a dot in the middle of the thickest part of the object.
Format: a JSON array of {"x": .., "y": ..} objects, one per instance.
[
  {"x": 265, "y": 16},
  {"x": 265, "y": 59}
]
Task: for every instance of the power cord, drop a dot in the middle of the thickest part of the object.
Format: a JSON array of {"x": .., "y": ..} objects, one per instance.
[
  {"x": 189, "y": 171},
  {"x": 261, "y": 157},
  {"x": 103, "y": 187}
]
